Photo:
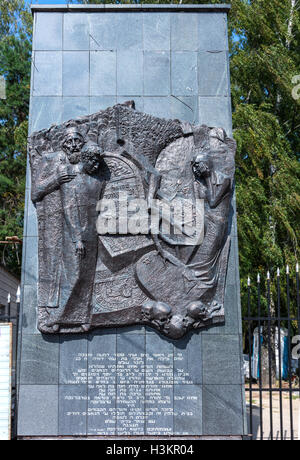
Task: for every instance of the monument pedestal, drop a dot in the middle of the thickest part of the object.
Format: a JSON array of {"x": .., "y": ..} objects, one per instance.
[{"x": 172, "y": 60}]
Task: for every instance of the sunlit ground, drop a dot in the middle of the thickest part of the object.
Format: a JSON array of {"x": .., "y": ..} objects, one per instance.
[{"x": 275, "y": 401}]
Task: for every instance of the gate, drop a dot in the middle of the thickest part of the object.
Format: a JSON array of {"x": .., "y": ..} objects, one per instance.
[{"x": 272, "y": 346}]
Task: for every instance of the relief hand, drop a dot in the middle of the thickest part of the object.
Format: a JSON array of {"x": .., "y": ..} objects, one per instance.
[{"x": 65, "y": 176}]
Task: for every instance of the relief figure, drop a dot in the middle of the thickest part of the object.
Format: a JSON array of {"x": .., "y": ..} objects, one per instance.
[{"x": 172, "y": 280}]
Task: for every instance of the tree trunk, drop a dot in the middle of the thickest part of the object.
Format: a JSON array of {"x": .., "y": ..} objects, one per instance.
[
  {"x": 268, "y": 372},
  {"x": 291, "y": 24}
]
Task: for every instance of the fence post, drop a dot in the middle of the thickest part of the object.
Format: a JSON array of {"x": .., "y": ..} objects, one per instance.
[
  {"x": 289, "y": 350},
  {"x": 267, "y": 332},
  {"x": 298, "y": 317},
  {"x": 270, "y": 352}
]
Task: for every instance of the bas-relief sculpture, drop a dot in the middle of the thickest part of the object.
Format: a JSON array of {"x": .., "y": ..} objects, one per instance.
[{"x": 89, "y": 280}]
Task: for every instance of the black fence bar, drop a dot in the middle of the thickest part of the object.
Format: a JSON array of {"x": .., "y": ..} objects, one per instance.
[
  {"x": 270, "y": 354},
  {"x": 290, "y": 352},
  {"x": 266, "y": 318},
  {"x": 277, "y": 307},
  {"x": 259, "y": 359},
  {"x": 279, "y": 355},
  {"x": 277, "y": 390}
]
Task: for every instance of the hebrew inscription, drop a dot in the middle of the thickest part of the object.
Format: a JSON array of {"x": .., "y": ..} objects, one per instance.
[
  {"x": 133, "y": 214},
  {"x": 108, "y": 394}
]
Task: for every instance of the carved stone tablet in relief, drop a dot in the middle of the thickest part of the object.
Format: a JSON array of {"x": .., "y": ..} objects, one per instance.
[{"x": 133, "y": 215}]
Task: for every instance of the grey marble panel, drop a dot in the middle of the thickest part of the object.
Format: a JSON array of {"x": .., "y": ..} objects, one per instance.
[
  {"x": 28, "y": 182},
  {"x": 231, "y": 325},
  {"x": 157, "y": 32},
  {"x": 102, "y": 359},
  {"x": 48, "y": 32},
  {"x": 131, "y": 349},
  {"x": 185, "y": 108},
  {"x": 130, "y": 73},
  {"x": 184, "y": 35},
  {"x": 31, "y": 224},
  {"x": 222, "y": 359},
  {"x": 76, "y": 73},
  {"x": 159, "y": 360},
  {"x": 188, "y": 359},
  {"x": 47, "y": 78},
  {"x": 76, "y": 34},
  {"x": 30, "y": 275},
  {"x": 188, "y": 410},
  {"x": 103, "y": 73},
  {"x": 184, "y": 73},
  {"x": 212, "y": 32},
  {"x": 114, "y": 32},
  {"x": 131, "y": 330},
  {"x": 156, "y": 73},
  {"x": 213, "y": 73},
  {"x": 74, "y": 107},
  {"x": 39, "y": 361},
  {"x": 102, "y": 418},
  {"x": 232, "y": 269},
  {"x": 73, "y": 360},
  {"x": 103, "y": 31},
  {"x": 223, "y": 410},
  {"x": 29, "y": 317},
  {"x": 131, "y": 410},
  {"x": 38, "y": 410},
  {"x": 231, "y": 315},
  {"x": 130, "y": 31},
  {"x": 73, "y": 410},
  {"x": 216, "y": 111},
  {"x": 158, "y": 106},
  {"x": 159, "y": 410},
  {"x": 27, "y": 198},
  {"x": 98, "y": 103},
  {"x": 44, "y": 112}
]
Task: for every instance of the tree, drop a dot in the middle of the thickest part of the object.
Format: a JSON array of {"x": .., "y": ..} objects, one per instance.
[
  {"x": 265, "y": 58},
  {"x": 15, "y": 49}
]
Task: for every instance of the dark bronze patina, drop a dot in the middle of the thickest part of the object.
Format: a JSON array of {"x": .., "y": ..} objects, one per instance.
[{"x": 89, "y": 280}]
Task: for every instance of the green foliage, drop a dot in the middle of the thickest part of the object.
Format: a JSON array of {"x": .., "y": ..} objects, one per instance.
[
  {"x": 264, "y": 59},
  {"x": 151, "y": 2},
  {"x": 15, "y": 46}
]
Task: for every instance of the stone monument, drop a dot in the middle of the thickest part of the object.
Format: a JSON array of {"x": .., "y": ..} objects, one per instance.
[{"x": 131, "y": 314}]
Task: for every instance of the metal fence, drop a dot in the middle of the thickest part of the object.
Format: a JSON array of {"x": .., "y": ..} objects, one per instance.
[
  {"x": 272, "y": 332},
  {"x": 272, "y": 386}
]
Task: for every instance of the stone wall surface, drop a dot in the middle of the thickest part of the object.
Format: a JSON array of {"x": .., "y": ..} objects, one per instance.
[{"x": 132, "y": 381}]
